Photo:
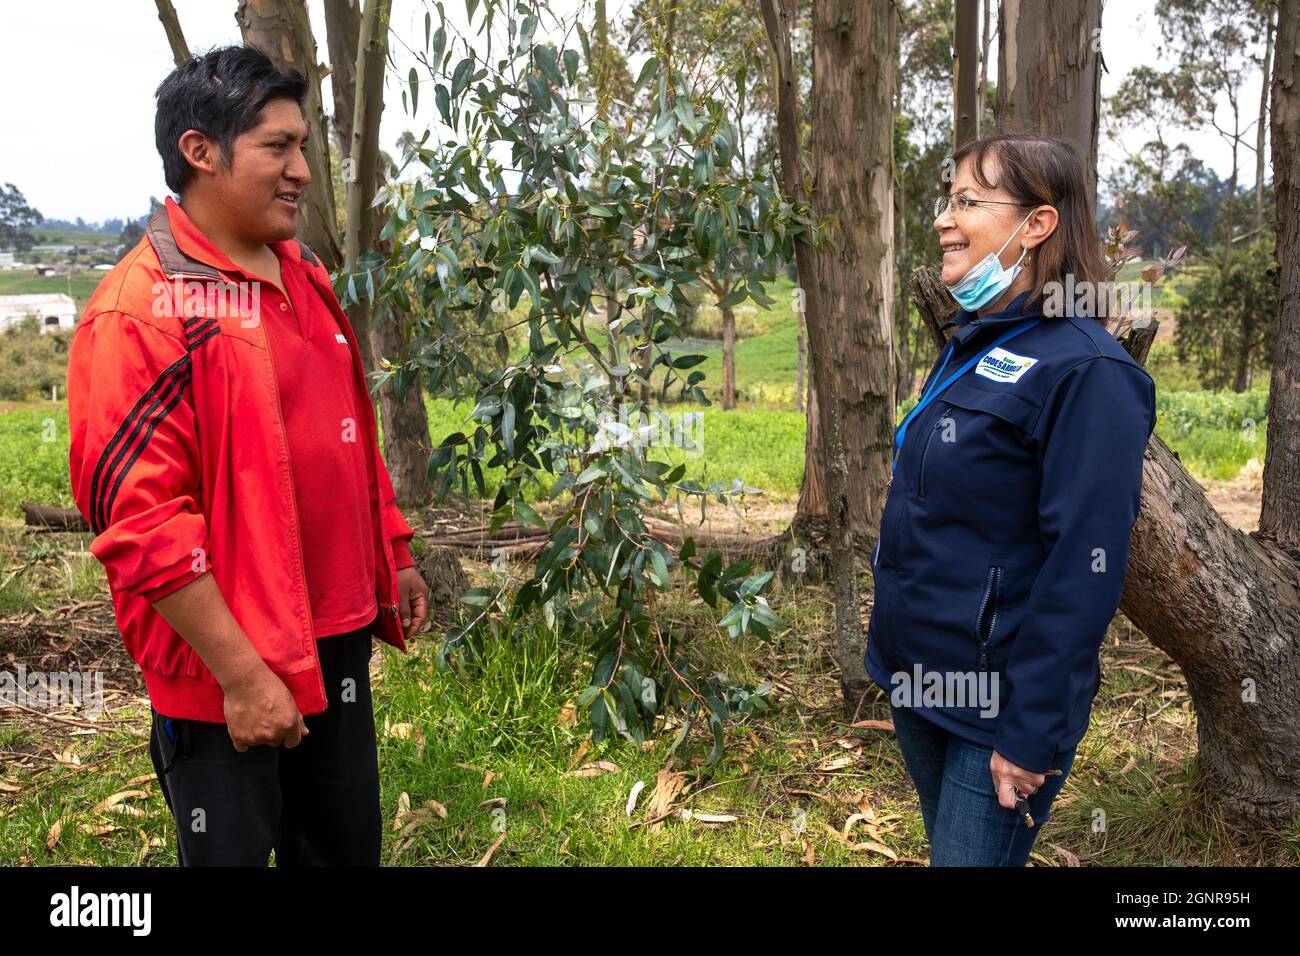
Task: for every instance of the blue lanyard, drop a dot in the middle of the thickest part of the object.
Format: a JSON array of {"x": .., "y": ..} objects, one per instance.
[{"x": 936, "y": 388}]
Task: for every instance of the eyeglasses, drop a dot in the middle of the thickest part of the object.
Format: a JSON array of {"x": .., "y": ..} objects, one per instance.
[{"x": 961, "y": 203}]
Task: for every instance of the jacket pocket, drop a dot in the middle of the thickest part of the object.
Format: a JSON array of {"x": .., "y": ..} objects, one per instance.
[
  {"x": 172, "y": 737},
  {"x": 986, "y": 620},
  {"x": 925, "y": 449},
  {"x": 890, "y": 523}
]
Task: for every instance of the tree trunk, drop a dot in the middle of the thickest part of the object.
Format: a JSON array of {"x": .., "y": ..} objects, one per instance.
[
  {"x": 407, "y": 445},
  {"x": 903, "y": 322},
  {"x": 282, "y": 30},
  {"x": 342, "y": 30},
  {"x": 52, "y": 516},
  {"x": 853, "y": 167},
  {"x": 812, "y": 490},
  {"x": 985, "y": 41},
  {"x": 405, "y": 420},
  {"x": 849, "y": 639},
  {"x": 1229, "y": 205},
  {"x": 965, "y": 71},
  {"x": 1279, "y": 519},
  {"x": 1226, "y": 608},
  {"x": 801, "y": 366},
  {"x": 1261, "y": 129},
  {"x": 367, "y": 108},
  {"x": 728, "y": 357},
  {"x": 848, "y": 287},
  {"x": 1049, "y": 78},
  {"x": 172, "y": 25},
  {"x": 1245, "y": 348}
]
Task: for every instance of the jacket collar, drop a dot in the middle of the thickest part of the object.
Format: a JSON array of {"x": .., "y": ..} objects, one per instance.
[
  {"x": 184, "y": 251},
  {"x": 971, "y": 324}
]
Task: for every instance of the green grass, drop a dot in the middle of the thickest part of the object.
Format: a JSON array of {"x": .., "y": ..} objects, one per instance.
[
  {"x": 1214, "y": 433},
  {"x": 34, "y": 457},
  {"x": 491, "y": 745},
  {"x": 764, "y": 448}
]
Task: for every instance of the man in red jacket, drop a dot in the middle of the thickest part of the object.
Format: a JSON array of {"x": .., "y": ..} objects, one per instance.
[{"x": 224, "y": 451}]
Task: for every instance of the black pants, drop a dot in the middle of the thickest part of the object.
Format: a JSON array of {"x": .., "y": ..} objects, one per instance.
[{"x": 316, "y": 804}]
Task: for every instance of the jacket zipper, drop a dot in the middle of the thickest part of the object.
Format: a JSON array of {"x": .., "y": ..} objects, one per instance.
[
  {"x": 925, "y": 450},
  {"x": 293, "y": 504},
  {"x": 989, "y": 603}
]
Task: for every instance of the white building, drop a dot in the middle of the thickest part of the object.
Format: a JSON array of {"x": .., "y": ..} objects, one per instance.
[{"x": 56, "y": 311}]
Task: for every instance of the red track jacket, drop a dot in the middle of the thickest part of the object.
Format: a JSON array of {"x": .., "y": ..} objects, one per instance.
[{"x": 180, "y": 462}]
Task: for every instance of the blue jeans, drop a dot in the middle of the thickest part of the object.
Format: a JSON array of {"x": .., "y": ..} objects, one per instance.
[{"x": 963, "y": 819}]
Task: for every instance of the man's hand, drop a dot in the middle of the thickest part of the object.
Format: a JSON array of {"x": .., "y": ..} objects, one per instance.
[
  {"x": 1008, "y": 778},
  {"x": 412, "y": 600},
  {"x": 260, "y": 710}
]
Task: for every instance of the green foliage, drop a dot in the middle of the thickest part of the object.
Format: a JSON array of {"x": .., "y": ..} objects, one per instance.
[
  {"x": 1180, "y": 412},
  {"x": 588, "y": 218},
  {"x": 34, "y": 458},
  {"x": 32, "y": 363},
  {"x": 17, "y": 219},
  {"x": 764, "y": 444},
  {"x": 1214, "y": 433},
  {"x": 1226, "y": 324}
]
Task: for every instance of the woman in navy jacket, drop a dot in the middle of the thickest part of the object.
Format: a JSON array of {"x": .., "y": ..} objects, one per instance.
[{"x": 1005, "y": 533}]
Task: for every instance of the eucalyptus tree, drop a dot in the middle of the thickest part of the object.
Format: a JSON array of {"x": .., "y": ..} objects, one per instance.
[{"x": 528, "y": 200}]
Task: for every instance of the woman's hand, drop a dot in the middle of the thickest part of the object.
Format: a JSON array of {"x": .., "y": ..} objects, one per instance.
[{"x": 1008, "y": 778}]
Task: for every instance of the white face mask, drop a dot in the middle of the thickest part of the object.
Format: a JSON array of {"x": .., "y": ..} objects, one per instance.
[{"x": 986, "y": 280}]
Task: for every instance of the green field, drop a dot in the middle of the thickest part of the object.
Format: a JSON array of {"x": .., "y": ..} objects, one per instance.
[
  {"x": 74, "y": 237},
  {"x": 80, "y": 285}
]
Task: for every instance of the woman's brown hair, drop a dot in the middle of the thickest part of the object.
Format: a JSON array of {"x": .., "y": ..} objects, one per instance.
[{"x": 1037, "y": 169}]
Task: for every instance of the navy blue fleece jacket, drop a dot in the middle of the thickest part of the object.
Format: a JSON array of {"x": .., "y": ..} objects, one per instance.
[{"x": 1005, "y": 534}]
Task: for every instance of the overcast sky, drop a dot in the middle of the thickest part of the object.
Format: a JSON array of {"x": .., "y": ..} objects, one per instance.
[{"x": 78, "y": 78}]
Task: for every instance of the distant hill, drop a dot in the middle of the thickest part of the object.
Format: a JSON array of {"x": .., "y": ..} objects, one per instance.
[{"x": 74, "y": 237}]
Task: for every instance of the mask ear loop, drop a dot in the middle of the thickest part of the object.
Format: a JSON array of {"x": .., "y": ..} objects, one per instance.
[{"x": 1024, "y": 250}]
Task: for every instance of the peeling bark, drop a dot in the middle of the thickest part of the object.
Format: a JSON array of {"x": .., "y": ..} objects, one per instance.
[
  {"x": 848, "y": 285},
  {"x": 1049, "y": 77}
]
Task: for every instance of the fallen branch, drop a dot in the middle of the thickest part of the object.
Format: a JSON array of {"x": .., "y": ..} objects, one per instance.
[{"x": 57, "y": 519}]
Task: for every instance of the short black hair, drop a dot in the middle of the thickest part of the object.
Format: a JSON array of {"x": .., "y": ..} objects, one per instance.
[{"x": 219, "y": 93}]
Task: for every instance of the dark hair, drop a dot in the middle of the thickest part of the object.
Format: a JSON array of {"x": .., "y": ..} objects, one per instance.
[
  {"x": 220, "y": 94},
  {"x": 1037, "y": 169}
]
